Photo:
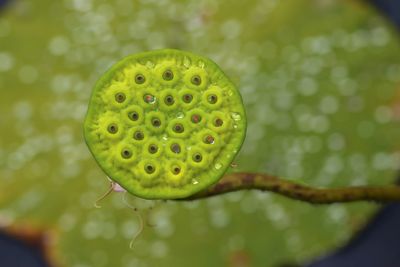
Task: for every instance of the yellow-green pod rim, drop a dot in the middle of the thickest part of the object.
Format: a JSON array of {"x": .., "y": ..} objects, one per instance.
[{"x": 108, "y": 129}]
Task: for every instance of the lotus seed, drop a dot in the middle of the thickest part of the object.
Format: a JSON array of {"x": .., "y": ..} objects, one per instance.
[
  {"x": 196, "y": 80},
  {"x": 149, "y": 168},
  {"x": 126, "y": 154},
  {"x": 178, "y": 128},
  {"x": 168, "y": 75},
  {"x": 156, "y": 122},
  {"x": 187, "y": 98},
  {"x": 149, "y": 98},
  {"x": 134, "y": 116},
  {"x": 176, "y": 148},
  {"x": 112, "y": 128},
  {"x": 196, "y": 118},
  {"x": 153, "y": 149},
  {"x": 140, "y": 79},
  {"x": 169, "y": 100},
  {"x": 120, "y": 97},
  {"x": 212, "y": 99},
  {"x": 138, "y": 135},
  {"x": 197, "y": 157}
]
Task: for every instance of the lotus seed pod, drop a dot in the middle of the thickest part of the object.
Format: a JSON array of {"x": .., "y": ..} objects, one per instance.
[{"x": 165, "y": 124}]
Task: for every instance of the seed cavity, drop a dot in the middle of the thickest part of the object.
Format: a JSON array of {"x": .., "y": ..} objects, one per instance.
[
  {"x": 112, "y": 128},
  {"x": 133, "y": 115},
  {"x": 126, "y": 153},
  {"x": 218, "y": 122},
  {"x": 168, "y": 75},
  {"x": 148, "y": 98},
  {"x": 212, "y": 99},
  {"x": 187, "y": 98},
  {"x": 169, "y": 100},
  {"x": 176, "y": 170},
  {"x": 197, "y": 157},
  {"x": 153, "y": 149},
  {"x": 176, "y": 148},
  {"x": 156, "y": 122},
  {"x": 209, "y": 139},
  {"x": 149, "y": 168},
  {"x": 120, "y": 97},
  {"x": 196, "y": 118},
  {"x": 178, "y": 128},
  {"x": 140, "y": 79},
  {"x": 138, "y": 135},
  {"x": 196, "y": 80}
]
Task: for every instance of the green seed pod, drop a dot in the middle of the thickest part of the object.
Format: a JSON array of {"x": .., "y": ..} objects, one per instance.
[{"x": 165, "y": 124}]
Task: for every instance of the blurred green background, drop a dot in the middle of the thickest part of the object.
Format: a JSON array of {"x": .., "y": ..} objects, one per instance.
[{"x": 321, "y": 84}]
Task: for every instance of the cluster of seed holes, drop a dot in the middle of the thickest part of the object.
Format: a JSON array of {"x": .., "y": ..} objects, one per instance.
[{"x": 169, "y": 100}]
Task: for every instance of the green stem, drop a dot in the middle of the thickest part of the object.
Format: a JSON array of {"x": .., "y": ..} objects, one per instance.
[{"x": 264, "y": 182}]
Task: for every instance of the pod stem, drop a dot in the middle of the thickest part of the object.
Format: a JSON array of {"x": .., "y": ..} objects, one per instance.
[{"x": 264, "y": 182}]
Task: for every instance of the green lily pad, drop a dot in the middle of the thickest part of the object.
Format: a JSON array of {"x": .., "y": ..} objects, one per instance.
[{"x": 165, "y": 124}]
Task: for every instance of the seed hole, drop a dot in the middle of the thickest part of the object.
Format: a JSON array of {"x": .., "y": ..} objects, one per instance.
[
  {"x": 120, "y": 97},
  {"x": 209, "y": 139},
  {"x": 140, "y": 79},
  {"x": 169, "y": 100},
  {"x": 176, "y": 148},
  {"x": 134, "y": 116},
  {"x": 196, "y": 80},
  {"x": 153, "y": 149},
  {"x": 156, "y": 122},
  {"x": 178, "y": 128},
  {"x": 176, "y": 170},
  {"x": 126, "y": 154},
  {"x": 138, "y": 135},
  {"x": 112, "y": 128},
  {"x": 212, "y": 99},
  {"x": 149, "y": 168},
  {"x": 197, "y": 157},
  {"x": 218, "y": 122},
  {"x": 187, "y": 98},
  {"x": 196, "y": 118},
  {"x": 168, "y": 75},
  {"x": 148, "y": 98}
]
